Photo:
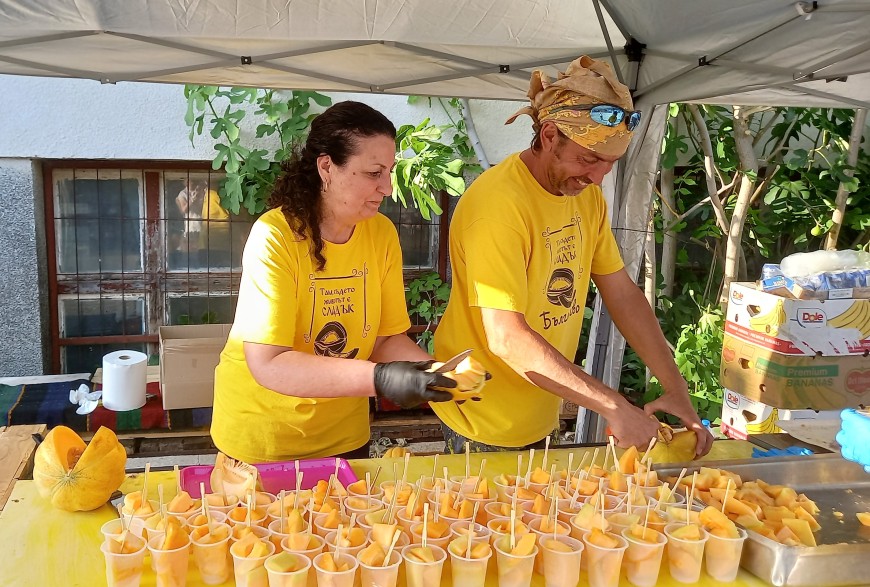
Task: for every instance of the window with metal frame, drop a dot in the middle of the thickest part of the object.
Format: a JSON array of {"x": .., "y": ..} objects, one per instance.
[{"x": 135, "y": 245}]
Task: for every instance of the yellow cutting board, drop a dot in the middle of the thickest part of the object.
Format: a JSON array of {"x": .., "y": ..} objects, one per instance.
[{"x": 45, "y": 547}]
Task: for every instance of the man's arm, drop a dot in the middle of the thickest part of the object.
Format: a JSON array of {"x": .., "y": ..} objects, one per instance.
[
  {"x": 510, "y": 338},
  {"x": 637, "y": 322}
]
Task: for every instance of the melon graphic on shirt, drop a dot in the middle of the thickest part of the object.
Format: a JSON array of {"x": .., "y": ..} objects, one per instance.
[{"x": 331, "y": 342}]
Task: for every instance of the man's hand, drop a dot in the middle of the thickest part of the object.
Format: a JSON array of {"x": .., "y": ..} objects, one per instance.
[
  {"x": 408, "y": 384},
  {"x": 677, "y": 403},
  {"x": 632, "y": 427}
]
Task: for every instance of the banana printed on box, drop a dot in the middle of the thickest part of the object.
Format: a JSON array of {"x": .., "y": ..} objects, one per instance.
[{"x": 829, "y": 328}]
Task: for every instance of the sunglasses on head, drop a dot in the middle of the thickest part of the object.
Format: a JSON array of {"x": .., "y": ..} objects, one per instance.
[{"x": 607, "y": 114}]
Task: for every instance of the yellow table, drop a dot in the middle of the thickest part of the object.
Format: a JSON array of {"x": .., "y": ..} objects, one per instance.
[{"x": 45, "y": 547}]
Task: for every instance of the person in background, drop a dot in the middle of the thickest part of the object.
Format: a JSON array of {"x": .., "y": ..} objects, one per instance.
[
  {"x": 321, "y": 320},
  {"x": 854, "y": 437},
  {"x": 190, "y": 201},
  {"x": 525, "y": 241}
]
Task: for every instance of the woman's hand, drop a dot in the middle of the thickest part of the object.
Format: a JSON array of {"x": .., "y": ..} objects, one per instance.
[{"x": 408, "y": 384}]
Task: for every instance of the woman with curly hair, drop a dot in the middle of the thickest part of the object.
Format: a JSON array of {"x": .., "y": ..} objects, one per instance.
[{"x": 321, "y": 318}]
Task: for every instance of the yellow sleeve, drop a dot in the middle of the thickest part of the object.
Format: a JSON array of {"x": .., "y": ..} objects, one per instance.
[
  {"x": 496, "y": 259},
  {"x": 394, "y": 309},
  {"x": 606, "y": 259},
  {"x": 212, "y": 209},
  {"x": 266, "y": 311}
]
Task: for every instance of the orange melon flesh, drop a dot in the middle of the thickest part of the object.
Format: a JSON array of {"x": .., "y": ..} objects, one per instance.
[
  {"x": 602, "y": 539},
  {"x": 125, "y": 543},
  {"x": 526, "y": 494},
  {"x": 864, "y": 518},
  {"x": 181, "y": 503},
  {"x": 372, "y": 555},
  {"x": 556, "y": 545},
  {"x": 638, "y": 532},
  {"x": 250, "y": 547},
  {"x": 459, "y": 547},
  {"x": 421, "y": 555},
  {"x": 202, "y": 534},
  {"x": 175, "y": 537},
  {"x": 525, "y": 545},
  {"x": 300, "y": 541},
  {"x": 687, "y": 532}
]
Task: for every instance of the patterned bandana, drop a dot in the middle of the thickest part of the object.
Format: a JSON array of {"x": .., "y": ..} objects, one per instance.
[{"x": 586, "y": 82}]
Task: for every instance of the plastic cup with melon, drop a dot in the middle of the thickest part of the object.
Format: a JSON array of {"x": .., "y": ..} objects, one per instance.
[
  {"x": 239, "y": 531},
  {"x": 211, "y": 553},
  {"x": 685, "y": 551},
  {"x": 249, "y": 558},
  {"x": 289, "y": 503},
  {"x": 543, "y": 528},
  {"x": 362, "y": 506},
  {"x": 461, "y": 528},
  {"x": 404, "y": 492},
  {"x": 116, "y": 526},
  {"x": 309, "y": 545},
  {"x": 352, "y": 541},
  {"x": 286, "y": 569},
  {"x": 452, "y": 507},
  {"x": 375, "y": 569},
  {"x": 336, "y": 570},
  {"x": 437, "y": 533},
  {"x": 724, "y": 545},
  {"x": 326, "y": 523},
  {"x": 125, "y": 557},
  {"x": 411, "y": 513},
  {"x": 501, "y": 510},
  {"x": 240, "y": 515},
  {"x": 221, "y": 502},
  {"x": 155, "y": 525},
  {"x": 468, "y": 568},
  {"x": 382, "y": 534},
  {"x": 562, "y": 556},
  {"x": 588, "y": 518},
  {"x": 619, "y": 521},
  {"x": 183, "y": 505},
  {"x": 197, "y": 519},
  {"x": 604, "y": 553},
  {"x": 502, "y": 527},
  {"x": 643, "y": 557},
  {"x": 501, "y": 483},
  {"x": 135, "y": 507},
  {"x": 170, "y": 554},
  {"x": 516, "y": 565},
  {"x": 423, "y": 565},
  {"x": 539, "y": 508},
  {"x": 360, "y": 489}
]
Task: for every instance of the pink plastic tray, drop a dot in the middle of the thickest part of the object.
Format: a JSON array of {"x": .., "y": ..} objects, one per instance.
[{"x": 275, "y": 476}]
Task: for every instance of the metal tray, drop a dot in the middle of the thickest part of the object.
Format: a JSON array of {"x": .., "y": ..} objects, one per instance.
[{"x": 842, "y": 556}]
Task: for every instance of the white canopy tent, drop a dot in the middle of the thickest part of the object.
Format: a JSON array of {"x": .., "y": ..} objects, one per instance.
[{"x": 753, "y": 52}]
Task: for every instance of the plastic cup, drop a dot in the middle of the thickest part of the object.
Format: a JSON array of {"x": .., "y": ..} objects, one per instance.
[
  {"x": 417, "y": 537},
  {"x": 258, "y": 531},
  {"x": 377, "y": 493},
  {"x": 170, "y": 566},
  {"x": 310, "y": 553},
  {"x": 419, "y": 574},
  {"x": 258, "y": 518},
  {"x": 380, "y": 576},
  {"x": 561, "y": 569},
  {"x": 404, "y": 521},
  {"x": 322, "y": 530},
  {"x": 481, "y": 508},
  {"x": 297, "y": 578},
  {"x": 481, "y": 532},
  {"x": 160, "y": 533},
  {"x": 351, "y": 550},
  {"x": 276, "y": 537},
  {"x": 213, "y": 558},
  {"x": 619, "y": 521},
  {"x": 402, "y": 498},
  {"x": 685, "y": 556},
  {"x": 643, "y": 560},
  {"x": 535, "y": 526},
  {"x": 496, "y": 534},
  {"x": 722, "y": 556},
  {"x": 469, "y": 572},
  {"x": 403, "y": 541},
  {"x": 251, "y": 572},
  {"x": 264, "y": 500},
  {"x": 114, "y": 527},
  {"x": 216, "y": 517},
  {"x": 513, "y": 570},
  {"x": 218, "y": 502},
  {"x": 123, "y": 570},
  {"x": 335, "y": 578},
  {"x": 565, "y": 511},
  {"x": 604, "y": 563},
  {"x": 501, "y": 490}
]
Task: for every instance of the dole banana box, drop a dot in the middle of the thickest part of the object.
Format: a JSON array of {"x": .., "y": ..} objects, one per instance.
[
  {"x": 742, "y": 416},
  {"x": 812, "y": 382},
  {"x": 798, "y": 327}
]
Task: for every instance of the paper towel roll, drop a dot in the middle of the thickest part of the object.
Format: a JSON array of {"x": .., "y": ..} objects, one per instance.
[{"x": 124, "y": 378}]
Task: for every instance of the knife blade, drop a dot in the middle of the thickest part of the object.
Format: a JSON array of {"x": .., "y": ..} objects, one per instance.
[{"x": 453, "y": 361}]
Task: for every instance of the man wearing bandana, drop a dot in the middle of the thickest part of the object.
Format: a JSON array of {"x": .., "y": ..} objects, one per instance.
[{"x": 525, "y": 240}]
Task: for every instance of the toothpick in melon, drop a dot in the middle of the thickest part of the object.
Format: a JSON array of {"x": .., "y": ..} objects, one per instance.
[
  {"x": 396, "y": 536},
  {"x": 529, "y": 469},
  {"x": 205, "y": 511},
  {"x": 690, "y": 498},
  {"x": 479, "y": 477},
  {"x": 125, "y": 526},
  {"x": 568, "y": 472},
  {"x": 299, "y": 476},
  {"x": 647, "y": 455},
  {"x": 513, "y": 523},
  {"x": 338, "y": 538},
  {"x": 725, "y": 499},
  {"x": 375, "y": 478},
  {"x": 519, "y": 470},
  {"x": 425, "y": 522},
  {"x": 160, "y": 500},
  {"x": 546, "y": 452},
  {"x": 145, "y": 483},
  {"x": 467, "y": 460},
  {"x": 280, "y": 511},
  {"x": 434, "y": 468}
]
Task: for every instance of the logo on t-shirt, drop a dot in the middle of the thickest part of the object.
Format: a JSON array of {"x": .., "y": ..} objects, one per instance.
[
  {"x": 560, "y": 287},
  {"x": 331, "y": 342},
  {"x": 563, "y": 245}
]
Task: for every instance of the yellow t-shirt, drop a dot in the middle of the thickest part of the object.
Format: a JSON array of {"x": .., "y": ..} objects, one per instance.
[
  {"x": 337, "y": 312},
  {"x": 514, "y": 246}
]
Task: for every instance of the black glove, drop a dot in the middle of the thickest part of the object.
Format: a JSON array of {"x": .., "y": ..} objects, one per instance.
[{"x": 408, "y": 384}]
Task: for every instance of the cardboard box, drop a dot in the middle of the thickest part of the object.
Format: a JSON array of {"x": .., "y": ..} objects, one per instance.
[
  {"x": 188, "y": 357},
  {"x": 798, "y": 327},
  {"x": 792, "y": 381},
  {"x": 742, "y": 416},
  {"x": 786, "y": 287}
]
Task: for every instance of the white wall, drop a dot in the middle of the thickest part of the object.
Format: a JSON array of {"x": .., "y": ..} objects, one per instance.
[{"x": 55, "y": 118}]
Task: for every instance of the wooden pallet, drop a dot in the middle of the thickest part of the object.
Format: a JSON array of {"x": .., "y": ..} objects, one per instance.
[{"x": 17, "y": 448}]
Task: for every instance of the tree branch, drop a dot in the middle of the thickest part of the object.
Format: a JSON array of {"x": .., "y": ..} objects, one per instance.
[{"x": 709, "y": 167}]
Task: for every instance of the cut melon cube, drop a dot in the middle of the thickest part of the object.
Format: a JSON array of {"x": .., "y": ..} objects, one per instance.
[{"x": 802, "y": 530}]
